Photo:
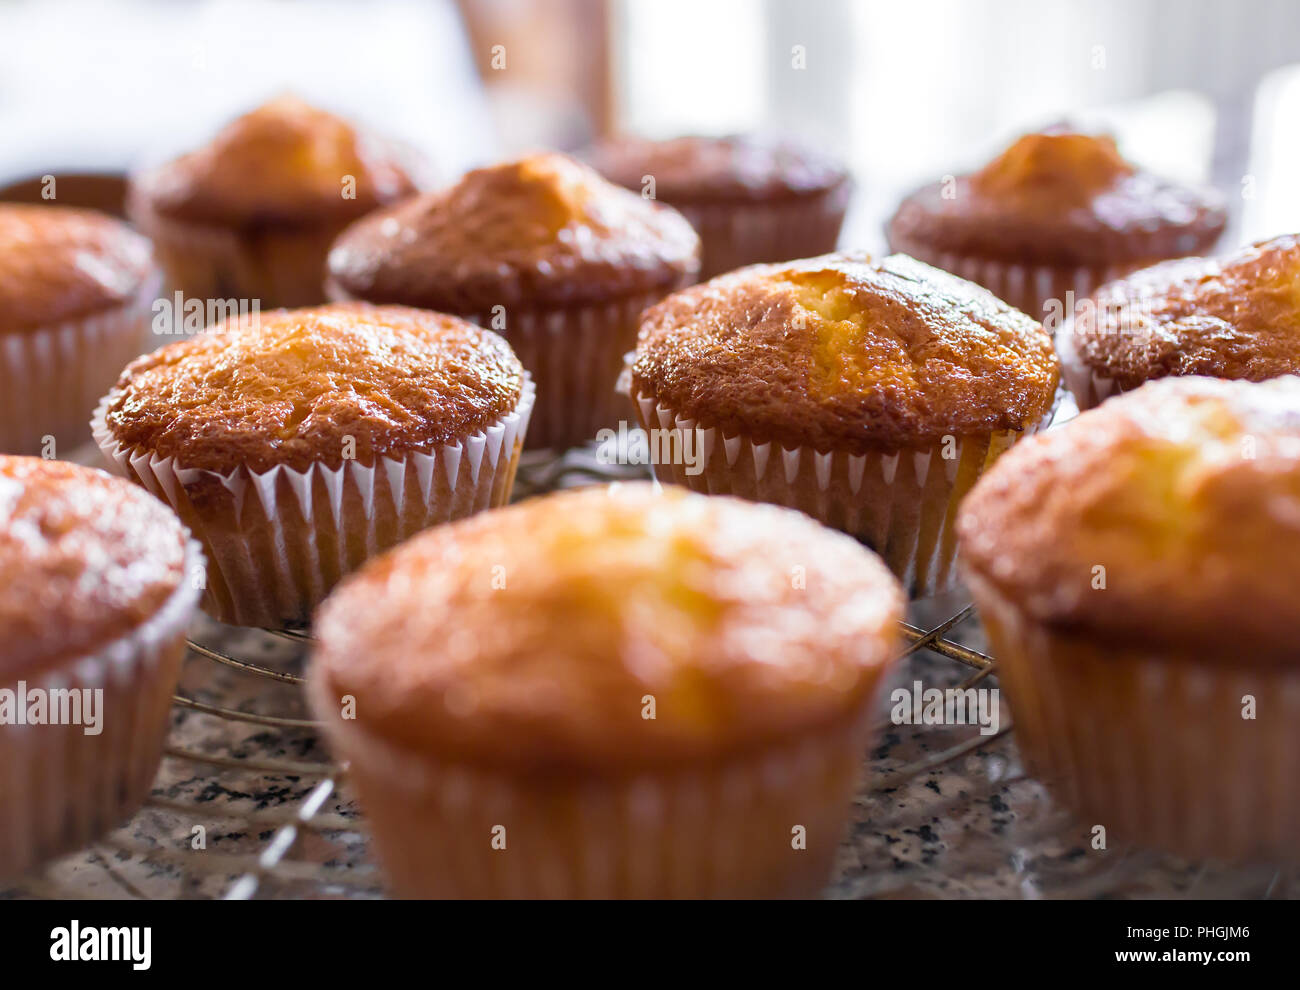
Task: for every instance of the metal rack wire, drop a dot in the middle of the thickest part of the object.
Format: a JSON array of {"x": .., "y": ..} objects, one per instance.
[{"x": 944, "y": 812}]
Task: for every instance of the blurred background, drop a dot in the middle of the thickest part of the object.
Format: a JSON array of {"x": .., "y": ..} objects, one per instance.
[{"x": 904, "y": 92}]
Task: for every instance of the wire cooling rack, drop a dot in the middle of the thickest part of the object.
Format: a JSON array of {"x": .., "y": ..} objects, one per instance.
[{"x": 248, "y": 804}]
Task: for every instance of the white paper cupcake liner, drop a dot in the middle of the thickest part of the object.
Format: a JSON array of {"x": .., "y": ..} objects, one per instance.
[
  {"x": 733, "y": 235},
  {"x": 279, "y": 540},
  {"x": 903, "y": 505},
  {"x": 51, "y": 377},
  {"x": 721, "y": 831},
  {"x": 575, "y": 355},
  {"x": 1029, "y": 288},
  {"x": 60, "y": 788},
  {"x": 1153, "y": 746}
]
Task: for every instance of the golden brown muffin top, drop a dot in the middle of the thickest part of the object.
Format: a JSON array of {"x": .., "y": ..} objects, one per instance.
[
  {"x": 289, "y": 387},
  {"x": 284, "y": 163},
  {"x": 846, "y": 352},
  {"x": 541, "y": 231},
  {"x": 1186, "y": 491},
  {"x": 1061, "y": 198},
  {"x": 743, "y": 167},
  {"x": 1231, "y": 317},
  {"x": 86, "y": 558},
  {"x": 57, "y": 264},
  {"x": 531, "y": 636}
]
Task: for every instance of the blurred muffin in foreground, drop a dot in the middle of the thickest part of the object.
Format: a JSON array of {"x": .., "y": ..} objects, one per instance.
[
  {"x": 542, "y": 250},
  {"x": 300, "y": 443},
  {"x": 1056, "y": 213},
  {"x": 252, "y": 215},
  {"x": 1138, "y": 573},
  {"x": 752, "y": 198},
  {"x": 869, "y": 393},
  {"x": 76, "y": 290},
  {"x": 611, "y": 692},
  {"x": 1234, "y": 317},
  {"x": 100, "y": 583}
]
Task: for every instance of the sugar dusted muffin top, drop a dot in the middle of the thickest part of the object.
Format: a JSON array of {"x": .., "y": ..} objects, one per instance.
[
  {"x": 1237, "y": 316},
  {"x": 287, "y": 388},
  {"x": 283, "y": 163},
  {"x": 1186, "y": 491},
  {"x": 846, "y": 352},
  {"x": 86, "y": 558},
  {"x": 531, "y": 636},
  {"x": 543, "y": 230},
  {"x": 718, "y": 169},
  {"x": 58, "y": 263},
  {"x": 1061, "y": 198}
]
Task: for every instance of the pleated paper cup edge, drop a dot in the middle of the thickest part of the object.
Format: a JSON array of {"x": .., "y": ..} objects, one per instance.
[
  {"x": 162, "y": 477},
  {"x": 127, "y": 663},
  {"x": 1077, "y": 776},
  {"x": 65, "y": 342},
  {"x": 792, "y": 461},
  {"x": 411, "y": 779}
]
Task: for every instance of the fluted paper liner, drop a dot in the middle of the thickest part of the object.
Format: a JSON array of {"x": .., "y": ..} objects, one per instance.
[
  {"x": 733, "y": 235},
  {"x": 1152, "y": 745},
  {"x": 60, "y": 788},
  {"x": 1026, "y": 287},
  {"x": 719, "y": 831},
  {"x": 279, "y": 540},
  {"x": 575, "y": 355},
  {"x": 903, "y": 505},
  {"x": 51, "y": 377}
]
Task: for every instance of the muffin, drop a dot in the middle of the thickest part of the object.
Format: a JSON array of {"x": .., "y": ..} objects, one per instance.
[
  {"x": 1138, "y": 573},
  {"x": 870, "y": 394},
  {"x": 93, "y": 635},
  {"x": 1233, "y": 317},
  {"x": 1056, "y": 213},
  {"x": 542, "y": 250},
  {"x": 76, "y": 291},
  {"x": 752, "y": 198},
  {"x": 610, "y": 692},
  {"x": 252, "y": 215},
  {"x": 298, "y": 444}
]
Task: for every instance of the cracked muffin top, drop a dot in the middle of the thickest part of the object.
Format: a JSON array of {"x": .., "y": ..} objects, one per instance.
[
  {"x": 846, "y": 352},
  {"x": 1237, "y": 316},
  {"x": 1186, "y": 492},
  {"x": 542, "y": 231},
  {"x": 1061, "y": 197},
  {"x": 285, "y": 163},
  {"x": 288, "y": 387},
  {"x": 58, "y": 263},
  {"x": 92, "y": 558},
  {"x": 531, "y": 636},
  {"x": 743, "y": 167}
]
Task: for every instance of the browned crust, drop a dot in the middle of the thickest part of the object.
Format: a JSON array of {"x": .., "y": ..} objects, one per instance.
[
  {"x": 703, "y": 170},
  {"x": 59, "y": 264},
  {"x": 88, "y": 558},
  {"x": 1061, "y": 199},
  {"x": 291, "y": 386},
  {"x": 283, "y": 164},
  {"x": 934, "y": 356},
  {"x": 544, "y": 231},
  {"x": 748, "y": 625},
  {"x": 1186, "y": 491},
  {"x": 1231, "y": 317}
]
